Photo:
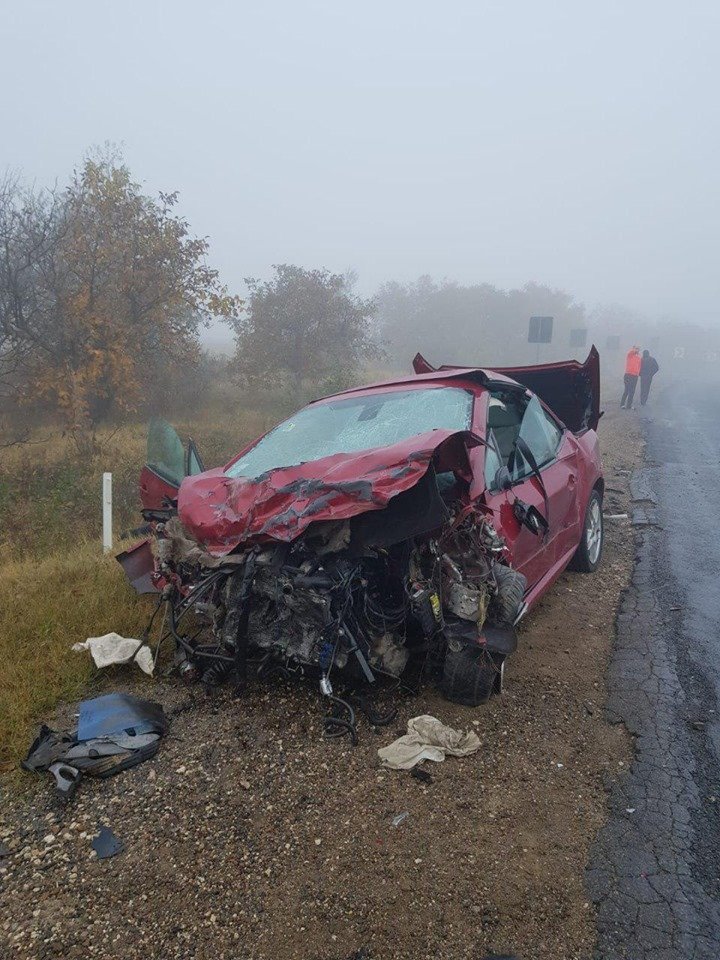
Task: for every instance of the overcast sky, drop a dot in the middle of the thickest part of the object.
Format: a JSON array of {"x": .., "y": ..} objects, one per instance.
[{"x": 571, "y": 143}]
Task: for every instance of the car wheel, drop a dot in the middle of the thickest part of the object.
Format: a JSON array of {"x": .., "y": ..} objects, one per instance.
[
  {"x": 471, "y": 675},
  {"x": 506, "y": 604},
  {"x": 587, "y": 556}
]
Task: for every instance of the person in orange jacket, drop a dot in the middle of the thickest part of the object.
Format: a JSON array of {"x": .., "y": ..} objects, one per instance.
[{"x": 633, "y": 362}]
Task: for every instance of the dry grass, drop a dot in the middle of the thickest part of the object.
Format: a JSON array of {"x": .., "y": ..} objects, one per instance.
[{"x": 45, "y": 607}]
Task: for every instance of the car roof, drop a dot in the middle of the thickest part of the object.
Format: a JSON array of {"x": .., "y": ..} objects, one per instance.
[{"x": 479, "y": 376}]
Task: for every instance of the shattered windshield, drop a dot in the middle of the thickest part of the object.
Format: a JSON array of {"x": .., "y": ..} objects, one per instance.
[{"x": 356, "y": 423}]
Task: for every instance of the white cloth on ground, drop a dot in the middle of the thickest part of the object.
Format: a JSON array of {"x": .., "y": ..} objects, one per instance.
[
  {"x": 427, "y": 738},
  {"x": 112, "y": 648}
]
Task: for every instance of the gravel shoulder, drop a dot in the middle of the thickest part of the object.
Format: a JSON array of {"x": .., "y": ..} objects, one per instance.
[{"x": 250, "y": 836}]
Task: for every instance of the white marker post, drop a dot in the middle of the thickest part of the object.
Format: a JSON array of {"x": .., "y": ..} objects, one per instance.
[{"x": 107, "y": 512}]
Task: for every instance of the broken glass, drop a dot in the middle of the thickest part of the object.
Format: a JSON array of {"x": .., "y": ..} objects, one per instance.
[
  {"x": 356, "y": 423},
  {"x": 165, "y": 452}
]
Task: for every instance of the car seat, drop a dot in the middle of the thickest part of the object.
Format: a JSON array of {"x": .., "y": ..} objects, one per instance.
[{"x": 504, "y": 420}]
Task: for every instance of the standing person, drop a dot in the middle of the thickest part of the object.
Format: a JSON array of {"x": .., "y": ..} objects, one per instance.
[
  {"x": 648, "y": 368},
  {"x": 633, "y": 362}
]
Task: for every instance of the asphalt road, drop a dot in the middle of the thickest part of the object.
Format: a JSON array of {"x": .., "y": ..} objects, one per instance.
[{"x": 655, "y": 870}]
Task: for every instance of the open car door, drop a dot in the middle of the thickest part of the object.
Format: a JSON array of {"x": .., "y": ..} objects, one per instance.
[
  {"x": 168, "y": 463},
  {"x": 569, "y": 388}
]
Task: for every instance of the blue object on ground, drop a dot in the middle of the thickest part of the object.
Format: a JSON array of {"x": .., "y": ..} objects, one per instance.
[{"x": 119, "y": 713}]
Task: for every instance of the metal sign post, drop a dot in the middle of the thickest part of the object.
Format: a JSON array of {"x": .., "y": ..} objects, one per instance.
[{"x": 540, "y": 331}]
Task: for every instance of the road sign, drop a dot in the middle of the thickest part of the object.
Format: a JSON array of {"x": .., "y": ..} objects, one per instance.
[
  {"x": 540, "y": 330},
  {"x": 578, "y": 337}
]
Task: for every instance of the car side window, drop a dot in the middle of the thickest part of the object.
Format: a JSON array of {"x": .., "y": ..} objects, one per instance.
[
  {"x": 505, "y": 414},
  {"x": 542, "y": 435},
  {"x": 492, "y": 460},
  {"x": 513, "y": 414}
]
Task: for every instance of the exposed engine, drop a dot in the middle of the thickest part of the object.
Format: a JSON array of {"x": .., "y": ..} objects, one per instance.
[{"x": 341, "y": 598}]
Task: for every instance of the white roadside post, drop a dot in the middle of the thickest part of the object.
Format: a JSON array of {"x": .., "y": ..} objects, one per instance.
[{"x": 107, "y": 512}]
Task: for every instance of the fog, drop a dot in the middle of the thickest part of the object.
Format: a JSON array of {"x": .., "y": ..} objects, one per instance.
[{"x": 570, "y": 144}]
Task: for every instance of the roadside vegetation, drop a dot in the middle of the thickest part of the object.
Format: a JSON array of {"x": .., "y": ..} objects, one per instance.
[{"x": 104, "y": 293}]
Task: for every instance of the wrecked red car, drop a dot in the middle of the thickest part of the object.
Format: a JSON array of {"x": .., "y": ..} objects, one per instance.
[{"x": 406, "y": 525}]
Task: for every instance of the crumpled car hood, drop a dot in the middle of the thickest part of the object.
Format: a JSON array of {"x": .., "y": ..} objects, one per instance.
[{"x": 224, "y": 512}]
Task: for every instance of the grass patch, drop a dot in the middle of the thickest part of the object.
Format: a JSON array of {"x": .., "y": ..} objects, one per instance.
[{"x": 45, "y": 606}]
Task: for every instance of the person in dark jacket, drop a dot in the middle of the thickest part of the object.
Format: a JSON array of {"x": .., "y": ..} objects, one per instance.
[{"x": 648, "y": 368}]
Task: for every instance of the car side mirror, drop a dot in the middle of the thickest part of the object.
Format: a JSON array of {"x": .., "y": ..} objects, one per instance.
[
  {"x": 502, "y": 479},
  {"x": 530, "y": 517}
]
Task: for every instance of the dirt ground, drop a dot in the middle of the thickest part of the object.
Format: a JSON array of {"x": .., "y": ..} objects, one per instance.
[{"x": 250, "y": 836}]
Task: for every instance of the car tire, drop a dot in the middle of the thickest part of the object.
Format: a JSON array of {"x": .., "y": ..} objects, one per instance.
[
  {"x": 586, "y": 558},
  {"x": 471, "y": 675},
  {"x": 506, "y": 604}
]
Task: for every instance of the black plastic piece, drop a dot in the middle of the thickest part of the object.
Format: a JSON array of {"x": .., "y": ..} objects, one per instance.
[
  {"x": 106, "y": 844},
  {"x": 499, "y": 640}
]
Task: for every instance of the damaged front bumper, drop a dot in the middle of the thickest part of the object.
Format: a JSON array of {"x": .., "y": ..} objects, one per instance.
[{"x": 420, "y": 585}]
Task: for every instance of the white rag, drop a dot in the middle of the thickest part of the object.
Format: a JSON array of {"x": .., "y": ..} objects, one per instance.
[
  {"x": 112, "y": 648},
  {"x": 427, "y": 738}
]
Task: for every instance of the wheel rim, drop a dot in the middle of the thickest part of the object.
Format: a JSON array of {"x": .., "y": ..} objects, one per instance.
[{"x": 593, "y": 532}]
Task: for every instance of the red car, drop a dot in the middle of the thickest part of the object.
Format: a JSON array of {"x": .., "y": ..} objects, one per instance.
[{"x": 407, "y": 525}]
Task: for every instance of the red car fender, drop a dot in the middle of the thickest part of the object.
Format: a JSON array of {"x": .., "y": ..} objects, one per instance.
[{"x": 590, "y": 469}]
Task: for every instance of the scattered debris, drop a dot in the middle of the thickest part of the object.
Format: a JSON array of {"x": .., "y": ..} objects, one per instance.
[
  {"x": 106, "y": 844},
  {"x": 114, "y": 733},
  {"x": 396, "y": 821},
  {"x": 117, "y": 713},
  {"x": 111, "y": 648},
  {"x": 616, "y": 516},
  {"x": 427, "y": 738},
  {"x": 67, "y": 779}
]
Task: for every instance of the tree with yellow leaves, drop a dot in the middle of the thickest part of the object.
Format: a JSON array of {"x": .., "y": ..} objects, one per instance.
[{"x": 103, "y": 291}]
